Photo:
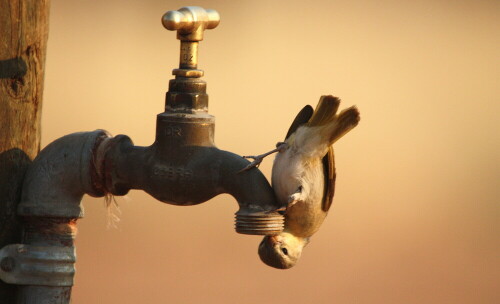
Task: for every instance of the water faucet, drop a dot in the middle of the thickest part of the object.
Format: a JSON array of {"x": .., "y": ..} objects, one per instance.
[{"x": 182, "y": 167}]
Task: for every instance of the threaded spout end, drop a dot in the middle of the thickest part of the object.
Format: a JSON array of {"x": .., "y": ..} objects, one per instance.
[{"x": 260, "y": 223}]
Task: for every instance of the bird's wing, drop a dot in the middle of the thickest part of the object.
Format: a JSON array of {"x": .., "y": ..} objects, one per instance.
[
  {"x": 303, "y": 117},
  {"x": 324, "y": 114},
  {"x": 330, "y": 175}
]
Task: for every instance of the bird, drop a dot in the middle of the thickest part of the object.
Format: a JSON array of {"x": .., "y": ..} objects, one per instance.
[{"x": 303, "y": 177}]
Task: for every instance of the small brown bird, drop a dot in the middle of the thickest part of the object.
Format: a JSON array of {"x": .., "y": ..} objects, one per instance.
[{"x": 303, "y": 177}]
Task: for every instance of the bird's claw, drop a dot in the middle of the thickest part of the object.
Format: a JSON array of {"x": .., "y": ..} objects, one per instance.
[
  {"x": 281, "y": 210},
  {"x": 258, "y": 159},
  {"x": 255, "y": 163},
  {"x": 280, "y": 146}
]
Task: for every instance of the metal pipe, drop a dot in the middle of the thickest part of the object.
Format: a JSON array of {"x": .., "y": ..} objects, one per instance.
[
  {"x": 59, "y": 177},
  {"x": 55, "y": 235},
  {"x": 50, "y": 206}
]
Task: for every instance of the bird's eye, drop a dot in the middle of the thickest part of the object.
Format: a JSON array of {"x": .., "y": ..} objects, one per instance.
[{"x": 285, "y": 251}]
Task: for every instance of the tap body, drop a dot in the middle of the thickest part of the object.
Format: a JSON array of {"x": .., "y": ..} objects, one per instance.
[
  {"x": 187, "y": 176},
  {"x": 184, "y": 167}
]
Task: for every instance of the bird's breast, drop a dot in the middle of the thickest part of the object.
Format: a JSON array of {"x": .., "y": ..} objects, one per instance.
[
  {"x": 304, "y": 219},
  {"x": 291, "y": 171}
]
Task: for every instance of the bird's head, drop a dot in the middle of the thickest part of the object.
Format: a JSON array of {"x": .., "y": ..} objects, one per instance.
[{"x": 281, "y": 251}]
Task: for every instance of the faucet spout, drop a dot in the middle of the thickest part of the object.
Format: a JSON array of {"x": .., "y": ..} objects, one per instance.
[
  {"x": 191, "y": 175},
  {"x": 257, "y": 214}
]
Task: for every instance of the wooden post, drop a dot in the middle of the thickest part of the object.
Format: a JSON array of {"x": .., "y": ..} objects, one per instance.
[{"x": 23, "y": 43}]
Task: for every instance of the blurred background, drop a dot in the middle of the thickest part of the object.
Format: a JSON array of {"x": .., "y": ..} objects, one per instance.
[{"x": 416, "y": 213}]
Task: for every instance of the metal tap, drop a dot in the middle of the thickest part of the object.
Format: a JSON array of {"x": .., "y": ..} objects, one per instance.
[{"x": 182, "y": 167}]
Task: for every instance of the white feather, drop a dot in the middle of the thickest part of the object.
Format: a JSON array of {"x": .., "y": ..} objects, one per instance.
[{"x": 299, "y": 167}]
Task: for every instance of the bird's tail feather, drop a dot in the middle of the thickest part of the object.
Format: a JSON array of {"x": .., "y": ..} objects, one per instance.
[
  {"x": 345, "y": 122},
  {"x": 324, "y": 128},
  {"x": 325, "y": 111}
]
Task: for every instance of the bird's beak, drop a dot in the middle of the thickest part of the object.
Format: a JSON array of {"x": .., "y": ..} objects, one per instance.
[
  {"x": 272, "y": 239},
  {"x": 281, "y": 210}
]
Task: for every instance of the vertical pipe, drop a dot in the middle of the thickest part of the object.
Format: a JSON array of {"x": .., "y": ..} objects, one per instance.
[
  {"x": 47, "y": 232},
  {"x": 51, "y": 202}
]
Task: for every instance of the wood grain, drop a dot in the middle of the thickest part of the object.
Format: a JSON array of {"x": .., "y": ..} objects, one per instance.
[{"x": 23, "y": 43}]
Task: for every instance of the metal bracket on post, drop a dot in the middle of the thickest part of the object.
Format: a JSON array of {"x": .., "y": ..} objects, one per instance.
[{"x": 23, "y": 264}]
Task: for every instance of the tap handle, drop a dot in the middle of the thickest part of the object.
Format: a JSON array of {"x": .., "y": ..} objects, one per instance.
[{"x": 190, "y": 22}]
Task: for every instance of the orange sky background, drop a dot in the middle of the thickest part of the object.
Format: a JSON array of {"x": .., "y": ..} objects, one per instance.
[{"x": 416, "y": 213}]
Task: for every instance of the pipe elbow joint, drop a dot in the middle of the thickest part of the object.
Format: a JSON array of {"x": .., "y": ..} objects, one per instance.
[{"x": 59, "y": 177}]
